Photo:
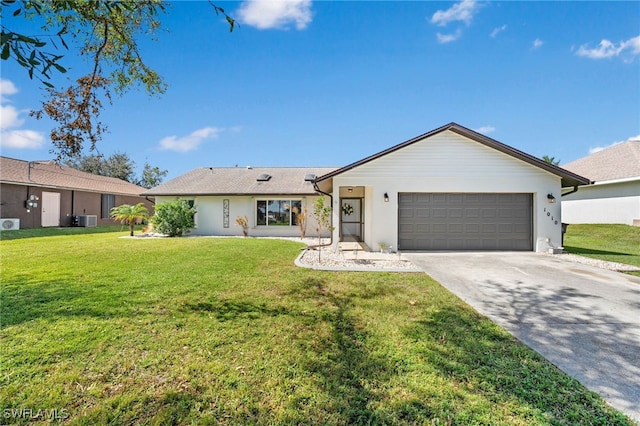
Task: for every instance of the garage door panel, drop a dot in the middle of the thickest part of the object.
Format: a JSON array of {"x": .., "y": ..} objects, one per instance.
[
  {"x": 422, "y": 228},
  {"x": 439, "y": 212},
  {"x": 471, "y": 212},
  {"x": 472, "y": 228},
  {"x": 473, "y": 221}
]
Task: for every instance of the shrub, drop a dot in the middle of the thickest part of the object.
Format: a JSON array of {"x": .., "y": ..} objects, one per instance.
[{"x": 174, "y": 218}]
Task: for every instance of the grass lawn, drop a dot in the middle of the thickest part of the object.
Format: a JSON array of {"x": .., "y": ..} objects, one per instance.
[
  {"x": 105, "y": 330},
  {"x": 615, "y": 243}
]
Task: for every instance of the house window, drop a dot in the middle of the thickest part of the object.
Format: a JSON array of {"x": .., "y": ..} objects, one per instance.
[
  {"x": 108, "y": 202},
  {"x": 277, "y": 212}
]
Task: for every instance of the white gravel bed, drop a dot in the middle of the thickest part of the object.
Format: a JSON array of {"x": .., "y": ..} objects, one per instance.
[
  {"x": 332, "y": 259},
  {"x": 612, "y": 266}
]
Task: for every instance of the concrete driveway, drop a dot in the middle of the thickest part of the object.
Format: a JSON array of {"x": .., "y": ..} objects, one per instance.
[{"x": 583, "y": 319}]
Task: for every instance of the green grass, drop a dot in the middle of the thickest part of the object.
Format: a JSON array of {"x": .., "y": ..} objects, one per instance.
[
  {"x": 109, "y": 330},
  {"x": 614, "y": 243},
  {"x": 53, "y": 232}
]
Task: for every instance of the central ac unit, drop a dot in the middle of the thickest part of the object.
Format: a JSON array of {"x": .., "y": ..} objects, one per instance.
[
  {"x": 9, "y": 224},
  {"x": 88, "y": 221}
]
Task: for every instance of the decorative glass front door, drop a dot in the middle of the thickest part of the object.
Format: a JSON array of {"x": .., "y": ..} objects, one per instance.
[{"x": 351, "y": 219}]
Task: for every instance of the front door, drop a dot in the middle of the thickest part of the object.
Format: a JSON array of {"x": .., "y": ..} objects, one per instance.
[
  {"x": 50, "y": 209},
  {"x": 351, "y": 219}
]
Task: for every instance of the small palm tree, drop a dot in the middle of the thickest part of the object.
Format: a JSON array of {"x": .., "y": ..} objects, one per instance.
[{"x": 128, "y": 214}]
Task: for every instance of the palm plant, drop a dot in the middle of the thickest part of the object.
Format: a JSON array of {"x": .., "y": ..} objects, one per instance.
[{"x": 128, "y": 214}]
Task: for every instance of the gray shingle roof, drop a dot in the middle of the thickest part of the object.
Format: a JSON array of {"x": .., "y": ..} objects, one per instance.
[
  {"x": 620, "y": 161},
  {"x": 52, "y": 175},
  {"x": 241, "y": 181}
]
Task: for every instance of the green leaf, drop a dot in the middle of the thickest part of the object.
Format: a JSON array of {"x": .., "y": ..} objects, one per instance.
[
  {"x": 63, "y": 43},
  {"x": 17, "y": 12},
  {"x": 59, "y": 67},
  {"x": 49, "y": 85},
  {"x": 5, "y": 51}
]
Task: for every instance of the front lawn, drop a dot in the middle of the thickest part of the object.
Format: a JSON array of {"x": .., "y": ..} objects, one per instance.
[
  {"x": 614, "y": 243},
  {"x": 105, "y": 330}
]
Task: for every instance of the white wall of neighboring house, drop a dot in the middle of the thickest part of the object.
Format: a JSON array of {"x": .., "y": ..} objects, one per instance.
[
  {"x": 604, "y": 202},
  {"x": 449, "y": 163},
  {"x": 210, "y": 216}
]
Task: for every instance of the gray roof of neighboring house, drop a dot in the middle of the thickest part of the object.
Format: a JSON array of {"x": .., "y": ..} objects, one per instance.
[
  {"x": 620, "y": 161},
  {"x": 52, "y": 175},
  {"x": 568, "y": 177},
  {"x": 241, "y": 181}
]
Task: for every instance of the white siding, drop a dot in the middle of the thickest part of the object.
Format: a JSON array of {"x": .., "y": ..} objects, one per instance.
[
  {"x": 603, "y": 203},
  {"x": 209, "y": 216},
  {"x": 448, "y": 162}
]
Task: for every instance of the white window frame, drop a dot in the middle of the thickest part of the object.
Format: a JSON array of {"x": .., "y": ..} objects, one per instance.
[{"x": 266, "y": 200}]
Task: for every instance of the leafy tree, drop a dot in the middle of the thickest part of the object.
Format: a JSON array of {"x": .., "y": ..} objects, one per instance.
[
  {"x": 151, "y": 176},
  {"x": 550, "y": 160},
  {"x": 118, "y": 165},
  {"x": 173, "y": 218},
  {"x": 322, "y": 215},
  {"x": 106, "y": 33},
  {"x": 129, "y": 215}
]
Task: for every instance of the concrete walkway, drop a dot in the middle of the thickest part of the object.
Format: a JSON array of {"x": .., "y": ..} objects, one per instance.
[{"x": 583, "y": 319}]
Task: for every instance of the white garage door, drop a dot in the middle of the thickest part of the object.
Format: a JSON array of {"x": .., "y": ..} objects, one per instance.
[{"x": 473, "y": 221}]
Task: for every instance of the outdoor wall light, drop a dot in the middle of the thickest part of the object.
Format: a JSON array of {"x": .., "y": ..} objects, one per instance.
[
  {"x": 551, "y": 198},
  {"x": 350, "y": 189},
  {"x": 386, "y": 197}
]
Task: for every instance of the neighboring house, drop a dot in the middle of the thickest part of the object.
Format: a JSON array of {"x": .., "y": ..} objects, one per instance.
[
  {"x": 47, "y": 194},
  {"x": 614, "y": 196},
  {"x": 449, "y": 189},
  {"x": 268, "y": 196}
]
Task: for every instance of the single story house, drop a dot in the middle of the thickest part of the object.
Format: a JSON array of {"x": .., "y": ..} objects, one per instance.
[
  {"x": 448, "y": 189},
  {"x": 37, "y": 194},
  {"x": 270, "y": 197},
  {"x": 614, "y": 197}
]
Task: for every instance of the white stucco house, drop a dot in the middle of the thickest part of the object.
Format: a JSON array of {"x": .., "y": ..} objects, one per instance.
[
  {"x": 614, "y": 196},
  {"x": 448, "y": 189}
]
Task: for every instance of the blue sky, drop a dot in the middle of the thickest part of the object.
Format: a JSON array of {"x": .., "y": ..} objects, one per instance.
[{"x": 326, "y": 83}]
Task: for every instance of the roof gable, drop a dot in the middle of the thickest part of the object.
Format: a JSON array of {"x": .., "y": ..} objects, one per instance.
[
  {"x": 620, "y": 161},
  {"x": 53, "y": 175},
  {"x": 568, "y": 178}
]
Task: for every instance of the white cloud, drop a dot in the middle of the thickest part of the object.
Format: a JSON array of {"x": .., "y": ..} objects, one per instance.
[
  {"x": 189, "y": 142},
  {"x": 10, "y": 117},
  {"x": 268, "y": 14},
  {"x": 10, "y": 134},
  {"x": 462, "y": 11},
  {"x": 7, "y": 88},
  {"x": 485, "y": 129},
  {"x": 600, "y": 148},
  {"x": 607, "y": 49},
  {"x": 448, "y": 38},
  {"x": 498, "y": 30},
  {"x": 537, "y": 43},
  {"x": 22, "y": 139}
]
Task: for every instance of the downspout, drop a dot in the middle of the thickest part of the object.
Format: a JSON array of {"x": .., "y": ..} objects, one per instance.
[
  {"x": 565, "y": 225},
  {"x": 146, "y": 197},
  {"x": 315, "y": 187}
]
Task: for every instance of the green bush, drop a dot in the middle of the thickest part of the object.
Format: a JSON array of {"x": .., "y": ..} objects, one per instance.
[{"x": 174, "y": 218}]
